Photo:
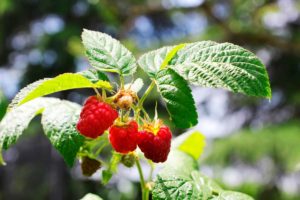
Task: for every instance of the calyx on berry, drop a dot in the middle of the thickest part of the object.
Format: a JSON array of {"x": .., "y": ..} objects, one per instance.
[
  {"x": 125, "y": 98},
  {"x": 155, "y": 141},
  {"x": 96, "y": 116},
  {"x": 123, "y": 136}
]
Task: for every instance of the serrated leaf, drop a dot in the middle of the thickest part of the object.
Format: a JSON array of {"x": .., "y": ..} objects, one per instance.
[
  {"x": 211, "y": 64},
  {"x": 192, "y": 143},
  {"x": 112, "y": 168},
  {"x": 59, "y": 124},
  {"x": 108, "y": 54},
  {"x": 151, "y": 61},
  {"x": 94, "y": 75},
  {"x": 16, "y": 121},
  {"x": 179, "y": 179},
  {"x": 91, "y": 196},
  {"x": 178, "y": 97},
  {"x": 222, "y": 65},
  {"x": 47, "y": 86}
]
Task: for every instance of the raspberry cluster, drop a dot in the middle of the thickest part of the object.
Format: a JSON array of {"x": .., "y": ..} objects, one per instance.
[{"x": 154, "y": 139}]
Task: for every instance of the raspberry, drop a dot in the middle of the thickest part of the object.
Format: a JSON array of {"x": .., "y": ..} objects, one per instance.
[
  {"x": 155, "y": 146},
  {"x": 95, "y": 117},
  {"x": 124, "y": 138},
  {"x": 128, "y": 159},
  {"x": 125, "y": 98}
]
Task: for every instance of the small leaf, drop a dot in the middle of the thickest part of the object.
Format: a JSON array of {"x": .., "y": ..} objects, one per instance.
[
  {"x": 59, "y": 123},
  {"x": 171, "y": 55},
  {"x": 47, "y": 86},
  {"x": 112, "y": 168},
  {"x": 136, "y": 86},
  {"x": 16, "y": 121},
  {"x": 94, "y": 75},
  {"x": 192, "y": 143},
  {"x": 178, "y": 97},
  {"x": 108, "y": 54},
  {"x": 91, "y": 196}
]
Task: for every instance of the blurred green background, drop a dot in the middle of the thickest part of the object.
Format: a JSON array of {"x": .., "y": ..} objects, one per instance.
[{"x": 253, "y": 145}]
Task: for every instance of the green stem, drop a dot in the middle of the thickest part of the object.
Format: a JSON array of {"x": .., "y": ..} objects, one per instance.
[
  {"x": 145, "y": 190},
  {"x": 121, "y": 81},
  {"x": 149, "y": 89}
]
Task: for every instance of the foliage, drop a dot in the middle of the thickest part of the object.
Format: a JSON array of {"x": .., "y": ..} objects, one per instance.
[{"x": 171, "y": 69}]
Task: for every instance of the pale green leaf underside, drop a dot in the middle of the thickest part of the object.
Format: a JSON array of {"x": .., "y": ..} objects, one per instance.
[
  {"x": 91, "y": 196},
  {"x": 136, "y": 86},
  {"x": 178, "y": 97},
  {"x": 192, "y": 143},
  {"x": 108, "y": 54},
  {"x": 231, "y": 195},
  {"x": 47, "y": 86},
  {"x": 59, "y": 124},
  {"x": 16, "y": 121},
  {"x": 217, "y": 65}
]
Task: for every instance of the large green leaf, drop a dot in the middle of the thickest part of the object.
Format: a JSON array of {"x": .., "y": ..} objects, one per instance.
[
  {"x": 51, "y": 85},
  {"x": 94, "y": 75},
  {"x": 192, "y": 143},
  {"x": 178, "y": 97},
  {"x": 16, "y": 121},
  {"x": 108, "y": 54},
  {"x": 231, "y": 195},
  {"x": 180, "y": 180},
  {"x": 59, "y": 123},
  {"x": 217, "y": 65}
]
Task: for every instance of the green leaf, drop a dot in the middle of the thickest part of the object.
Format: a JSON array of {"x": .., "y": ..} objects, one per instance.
[
  {"x": 108, "y": 54},
  {"x": 3, "y": 105},
  {"x": 192, "y": 143},
  {"x": 112, "y": 168},
  {"x": 94, "y": 75},
  {"x": 16, "y": 121},
  {"x": 59, "y": 124},
  {"x": 178, "y": 97},
  {"x": 179, "y": 179},
  {"x": 222, "y": 65},
  {"x": 231, "y": 195},
  {"x": 47, "y": 86},
  {"x": 211, "y": 64},
  {"x": 152, "y": 61},
  {"x": 91, "y": 196},
  {"x": 171, "y": 55},
  {"x": 136, "y": 86}
]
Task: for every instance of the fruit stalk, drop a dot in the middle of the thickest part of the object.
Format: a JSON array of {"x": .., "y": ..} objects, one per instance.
[{"x": 145, "y": 190}]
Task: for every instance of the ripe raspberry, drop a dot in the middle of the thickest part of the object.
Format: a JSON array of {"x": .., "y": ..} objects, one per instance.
[
  {"x": 95, "y": 117},
  {"x": 155, "y": 146},
  {"x": 124, "y": 138}
]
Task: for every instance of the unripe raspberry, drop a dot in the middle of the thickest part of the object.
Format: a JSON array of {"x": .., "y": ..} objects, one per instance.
[
  {"x": 124, "y": 138},
  {"x": 155, "y": 143},
  {"x": 89, "y": 166},
  {"x": 125, "y": 98},
  {"x": 128, "y": 159},
  {"x": 95, "y": 117}
]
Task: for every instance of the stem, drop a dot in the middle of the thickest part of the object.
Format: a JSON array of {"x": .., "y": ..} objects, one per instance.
[
  {"x": 145, "y": 190},
  {"x": 121, "y": 81},
  {"x": 149, "y": 89}
]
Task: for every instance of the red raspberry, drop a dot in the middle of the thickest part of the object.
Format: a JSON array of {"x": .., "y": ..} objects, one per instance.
[
  {"x": 95, "y": 117},
  {"x": 155, "y": 147},
  {"x": 124, "y": 138}
]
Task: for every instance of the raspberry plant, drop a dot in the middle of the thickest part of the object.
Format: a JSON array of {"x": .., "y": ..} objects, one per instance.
[{"x": 115, "y": 116}]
